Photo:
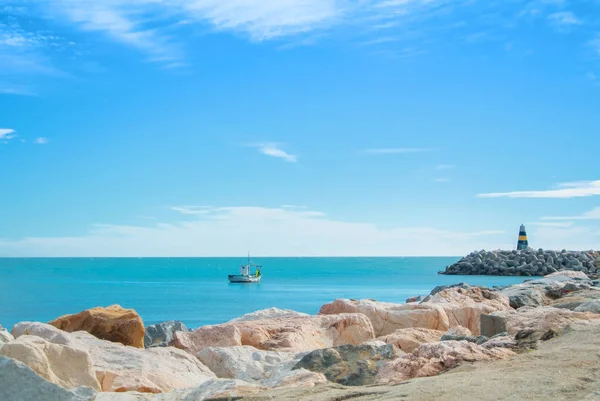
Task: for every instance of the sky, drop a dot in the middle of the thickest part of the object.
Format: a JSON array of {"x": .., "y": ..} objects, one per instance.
[{"x": 298, "y": 127}]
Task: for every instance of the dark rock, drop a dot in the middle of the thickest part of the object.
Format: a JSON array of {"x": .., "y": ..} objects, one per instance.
[
  {"x": 472, "y": 339},
  {"x": 569, "y": 287},
  {"x": 350, "y": 365},
  {"x": 444, "y": 287},
  {"x": 593, "y": 305},
  {"x": 160, "y": 335},
  {"x": 491, "y": 325},
  {"x": 415, "y": 299},
  {"x": 524, "y": 296}
]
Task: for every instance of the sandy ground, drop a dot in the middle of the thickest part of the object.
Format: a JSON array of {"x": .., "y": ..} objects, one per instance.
[{"x": 564, "y": 368}]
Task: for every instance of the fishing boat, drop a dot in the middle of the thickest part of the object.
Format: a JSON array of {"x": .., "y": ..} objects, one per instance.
[{"x": 245, "y": 275}]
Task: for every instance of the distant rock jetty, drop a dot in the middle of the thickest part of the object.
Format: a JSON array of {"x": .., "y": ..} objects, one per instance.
[{"x": 525, "y": 263}]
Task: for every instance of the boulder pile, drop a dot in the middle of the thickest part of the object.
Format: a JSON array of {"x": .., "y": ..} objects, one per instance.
[
  {"x": 350, "y": 342},
  {"x": 525, "y": 263}
]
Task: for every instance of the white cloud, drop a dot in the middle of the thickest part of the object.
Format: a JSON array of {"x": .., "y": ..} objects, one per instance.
[
  {"x": 6, "y": 133},
  {"x": 395, "y": 151},
  {"x": 128, "y": 21},
  {"x": 564, "y": 18},
  {"x": 442, "y": 179},
  {"x": 444, "y": 167},
  {"x": 572, "y": 238},
  {"x": 41, "y": 141},
  {"x": 551, "y": 224},
  {"x": 10, "y": 89},
  {"x": 566, "y": 190},
  {"x": 193, "y": 210},
  {"x": 271, "y": 149},
  {"x": 595, "y": 44},
  {"x": 231, "y": 231},
  {"x": 149, "y": 25},
  {"x": 593, "y": 214}
]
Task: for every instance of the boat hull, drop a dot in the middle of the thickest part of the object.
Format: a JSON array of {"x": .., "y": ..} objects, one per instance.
[{"x": 241, "y": 279}]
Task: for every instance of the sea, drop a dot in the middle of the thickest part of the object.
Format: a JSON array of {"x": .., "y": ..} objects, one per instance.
[{"x": 196, "y": 290}]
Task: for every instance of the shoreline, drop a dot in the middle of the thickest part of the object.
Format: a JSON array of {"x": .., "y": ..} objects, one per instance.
[{"x": 281, "y": 351}]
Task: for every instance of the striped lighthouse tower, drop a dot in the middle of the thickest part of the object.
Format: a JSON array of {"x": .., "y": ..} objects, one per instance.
[{"x": 522, "y": 244}]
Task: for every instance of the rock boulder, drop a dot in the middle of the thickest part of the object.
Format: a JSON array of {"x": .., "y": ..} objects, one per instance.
[
  {"x": 388, "y": 317},
  {"x": 19, "y": 382},
  {"x": 59, "y": 364},
  {"x": 292, "y": 334},
  {"x": 120, "y": 368},
  {"x": 540, "y": 320},
  {"x": 349, "y": 365},
  {"x": 112, "y": 323},
  {"x": 408, "y": 340},
  {"x": 160, "y": 335},
  {"x": 432, "y": 359}
]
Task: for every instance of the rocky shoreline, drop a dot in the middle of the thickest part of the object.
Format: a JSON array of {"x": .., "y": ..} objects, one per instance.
[
  {"x": 525, "y": 263},
  {"x": 106, "y": 354}
]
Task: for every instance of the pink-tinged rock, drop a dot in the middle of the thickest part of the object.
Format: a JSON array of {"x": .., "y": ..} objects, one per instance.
[
  {"x": 155, "y": 370},
  {"x": 568, "y": 273},
  {"x": 388, "y": 317},
  {"x": 225, "y": 335},
  {"x": 464, "y": 306},
  {"x": 64, "y": 365},
  {"x": 410, "y": 339},
  {"x": 458, "y": 331},
  {"x": 540, "y": 319},
  {"x": 271, "y": 313},
  {"x": 293, "y": 334},
  {"x": 435, "y": 358}
]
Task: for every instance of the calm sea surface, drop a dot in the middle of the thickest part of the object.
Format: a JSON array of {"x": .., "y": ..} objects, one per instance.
[{"x": 197, "y": 292}]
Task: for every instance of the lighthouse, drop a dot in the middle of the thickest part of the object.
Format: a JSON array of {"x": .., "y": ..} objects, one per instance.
[{"x": 522, "y": 244}]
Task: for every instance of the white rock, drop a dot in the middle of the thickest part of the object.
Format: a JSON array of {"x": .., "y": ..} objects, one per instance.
[
  {"x": 244, "y": 362},
  {"x": 270, "y": 313},
  {"x": 19, "y": 383},
  {"x": 593, "y": 305},
  {"x": 5, "y": 336},
  {"x": 569, "y": 274},
  {"x": 42, "y": 330},
  {"x": 267, "y": 368},
  {"x": 122, "y": 368},
  {"x": 59, "y": 364},
  {"x": 155, "y": 370}
]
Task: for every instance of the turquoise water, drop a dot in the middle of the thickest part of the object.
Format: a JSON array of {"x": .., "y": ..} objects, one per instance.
[{"x": 197, "y": 292}]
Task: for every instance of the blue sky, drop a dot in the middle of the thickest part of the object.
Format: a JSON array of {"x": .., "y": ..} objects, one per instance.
[{"x": 297, "y": 127}]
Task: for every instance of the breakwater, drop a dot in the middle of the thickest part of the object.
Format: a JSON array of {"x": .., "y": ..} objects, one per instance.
[{"x": 525, "y": 263}]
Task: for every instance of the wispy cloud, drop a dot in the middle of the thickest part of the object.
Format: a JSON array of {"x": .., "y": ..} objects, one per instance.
[
  {"x": 41, "y": 141},
  {"x": 10, "y": 89},
  {"x": 595, "y": 45},
  {"x": 441, "y": 180},
  {"x": 444, "y": 167},
  {"x": 6, "y": 133},
  {"x": 274, "y": 150},
  {"x": 551, "y": 224},
  {"x": 564, "y": 19},
  {"x": 566, "y": 190},
  {"x": 230, "y": 231},
  {"x": 593, "y": 214},
  {"x": 396, "y": 151},
  {"x": 193, "y": 210}
]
